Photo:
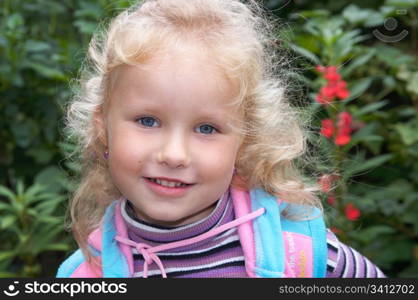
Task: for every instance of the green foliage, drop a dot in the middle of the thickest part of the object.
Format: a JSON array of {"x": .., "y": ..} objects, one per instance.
[
  {"x": 41, "y": 49},
  {"x": 30, "y": 225},
  {"x": 377, "y": 168}
]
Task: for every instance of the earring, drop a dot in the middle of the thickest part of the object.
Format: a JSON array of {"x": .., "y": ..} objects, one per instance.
[
  {"x": 235, "y": 171},
  {"x": 106, "y": 154}
]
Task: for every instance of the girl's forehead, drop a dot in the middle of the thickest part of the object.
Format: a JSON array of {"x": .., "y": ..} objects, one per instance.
[
  {"x": 186, "y": 61},
  {"x": 176, "y": 75}
]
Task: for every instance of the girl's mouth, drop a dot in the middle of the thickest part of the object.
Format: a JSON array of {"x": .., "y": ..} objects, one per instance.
[
  {"x": 164, "y": 188},
  {"x": 167, "y": 183}
]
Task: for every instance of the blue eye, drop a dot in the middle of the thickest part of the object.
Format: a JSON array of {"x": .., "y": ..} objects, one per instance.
[
  {"x": 147, "y": 121},
  {"x": 207, "y": 129}
]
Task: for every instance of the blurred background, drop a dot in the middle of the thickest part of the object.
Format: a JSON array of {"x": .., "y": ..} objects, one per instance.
[{"x": 355, "y": 66}]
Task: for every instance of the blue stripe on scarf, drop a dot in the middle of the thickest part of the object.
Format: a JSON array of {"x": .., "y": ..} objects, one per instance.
[
  {"x": 114, "y": 264},
  {"x": 267, "y": 236}
]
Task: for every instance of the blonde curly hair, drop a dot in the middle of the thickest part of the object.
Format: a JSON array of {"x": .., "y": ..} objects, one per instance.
[{"x": 241, "y": 38}]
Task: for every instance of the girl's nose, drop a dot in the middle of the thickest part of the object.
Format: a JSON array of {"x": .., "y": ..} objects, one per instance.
[{"x": 174, "y": 152}]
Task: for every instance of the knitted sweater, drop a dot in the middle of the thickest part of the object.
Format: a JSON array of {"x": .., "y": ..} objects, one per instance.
[{"x": 222, "y": 256}]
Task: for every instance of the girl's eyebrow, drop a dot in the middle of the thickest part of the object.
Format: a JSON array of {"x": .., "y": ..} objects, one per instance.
[{"x": 216, "y": 114}]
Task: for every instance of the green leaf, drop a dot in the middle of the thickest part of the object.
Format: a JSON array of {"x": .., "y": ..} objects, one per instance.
[
  {"x": 365, "y": 165},
  {"x": 316, "y": 13},
  {"x": 41, "y": 154},
  {"x": 299, "y": 77},
  {"x": 367, "y": 138},
  {"x": 6, "y": 207},
  {"x": 402, "y": 3},
  {"x": 36, "y": 46},
  {"x": 46, "y": 238},
  {"x": 89, "y": 10},
  {"x": 49, "y": 219},
  {"x": 408, "y": 132},
  {"x": 389, "y": 82},
  {"x": 15, "y": 20},
  {"x": 393, "y": 57},
  {"x": 51, "y": 177},
  {"x": 358, "y": 88},
  {"x": 374, "y": 232},
  {"x": 306, "y": 53},
  {"x": 372, "y": 107},
  {"x": 20, "y": 187},
  {"x": 86, "y": 27},
  {"x": 412, "y": 85},
  {"x": 4, "y": 191},
  {"x": 7, "y": 274},
  {"x": 7, "y": 255},
  {"x": 25, "y": 132},
  {"x": 33, "y": 191},
  {"x": 46, "y": 71},
  {"x": 48, "y": 207},
  {"x": 367, "y": 17},
  {"x": 3, "y": 42},
  {"x": 7, "y": 221},
  {"x": 57, "y": 247},
  {"x": 357, "y": 62}
]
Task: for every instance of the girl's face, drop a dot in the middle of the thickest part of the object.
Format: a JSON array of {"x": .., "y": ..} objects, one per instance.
[{"x": 171, "y": 120}]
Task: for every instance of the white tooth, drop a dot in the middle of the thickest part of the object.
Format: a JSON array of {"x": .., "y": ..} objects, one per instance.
[{"x": 167, "y": 183}]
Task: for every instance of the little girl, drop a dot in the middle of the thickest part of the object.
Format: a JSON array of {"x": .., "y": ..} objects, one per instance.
[{"x": 188, "y": 148}]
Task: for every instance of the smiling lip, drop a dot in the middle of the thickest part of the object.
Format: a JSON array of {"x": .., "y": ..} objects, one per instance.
[
  {"x": 167, "y": 191},
  {"x": 169, "y": 179}
]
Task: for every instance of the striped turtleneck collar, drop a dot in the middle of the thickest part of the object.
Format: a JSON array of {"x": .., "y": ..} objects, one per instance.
[{"x": 140, "y": 231}]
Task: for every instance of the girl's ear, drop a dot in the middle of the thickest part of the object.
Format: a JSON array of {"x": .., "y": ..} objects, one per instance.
[{"x": 100, "y": 126}]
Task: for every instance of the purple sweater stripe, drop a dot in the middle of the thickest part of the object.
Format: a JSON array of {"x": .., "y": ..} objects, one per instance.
[
  {"x": 230, "y": 238},
  {"x": 226, "y": 272},
  {"x": 332, "y": 243},
  {"x": 203, "y": 259},
  {"x": 350, "y": 263}
]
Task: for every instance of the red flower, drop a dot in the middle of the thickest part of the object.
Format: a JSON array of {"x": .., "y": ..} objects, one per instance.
[
  {"x": 325, "y": 183},
  {"x": 326, "y": 180},
  {"x": 342, "y": 140},
  {"x": 341, "y": 90},
  {"x": 331, "y": 74},
  {"x": 331, "y": 200},
  {"x": 322, "y": 99},
  {"x": 345, "y": 118},
  {"x": 327, "y": 128},
  {"x": 328, "y": 91},
  {"x": 351, "y": 212},
  {"x": 344, "y": 129},
  {"x": 320, "y": 68},
  {"x": 335, "y": 87}
]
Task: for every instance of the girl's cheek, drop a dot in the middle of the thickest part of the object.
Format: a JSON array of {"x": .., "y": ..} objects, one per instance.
[
  {"x": 125, "y": 148},
  {"x": 218, "y": 161}
]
